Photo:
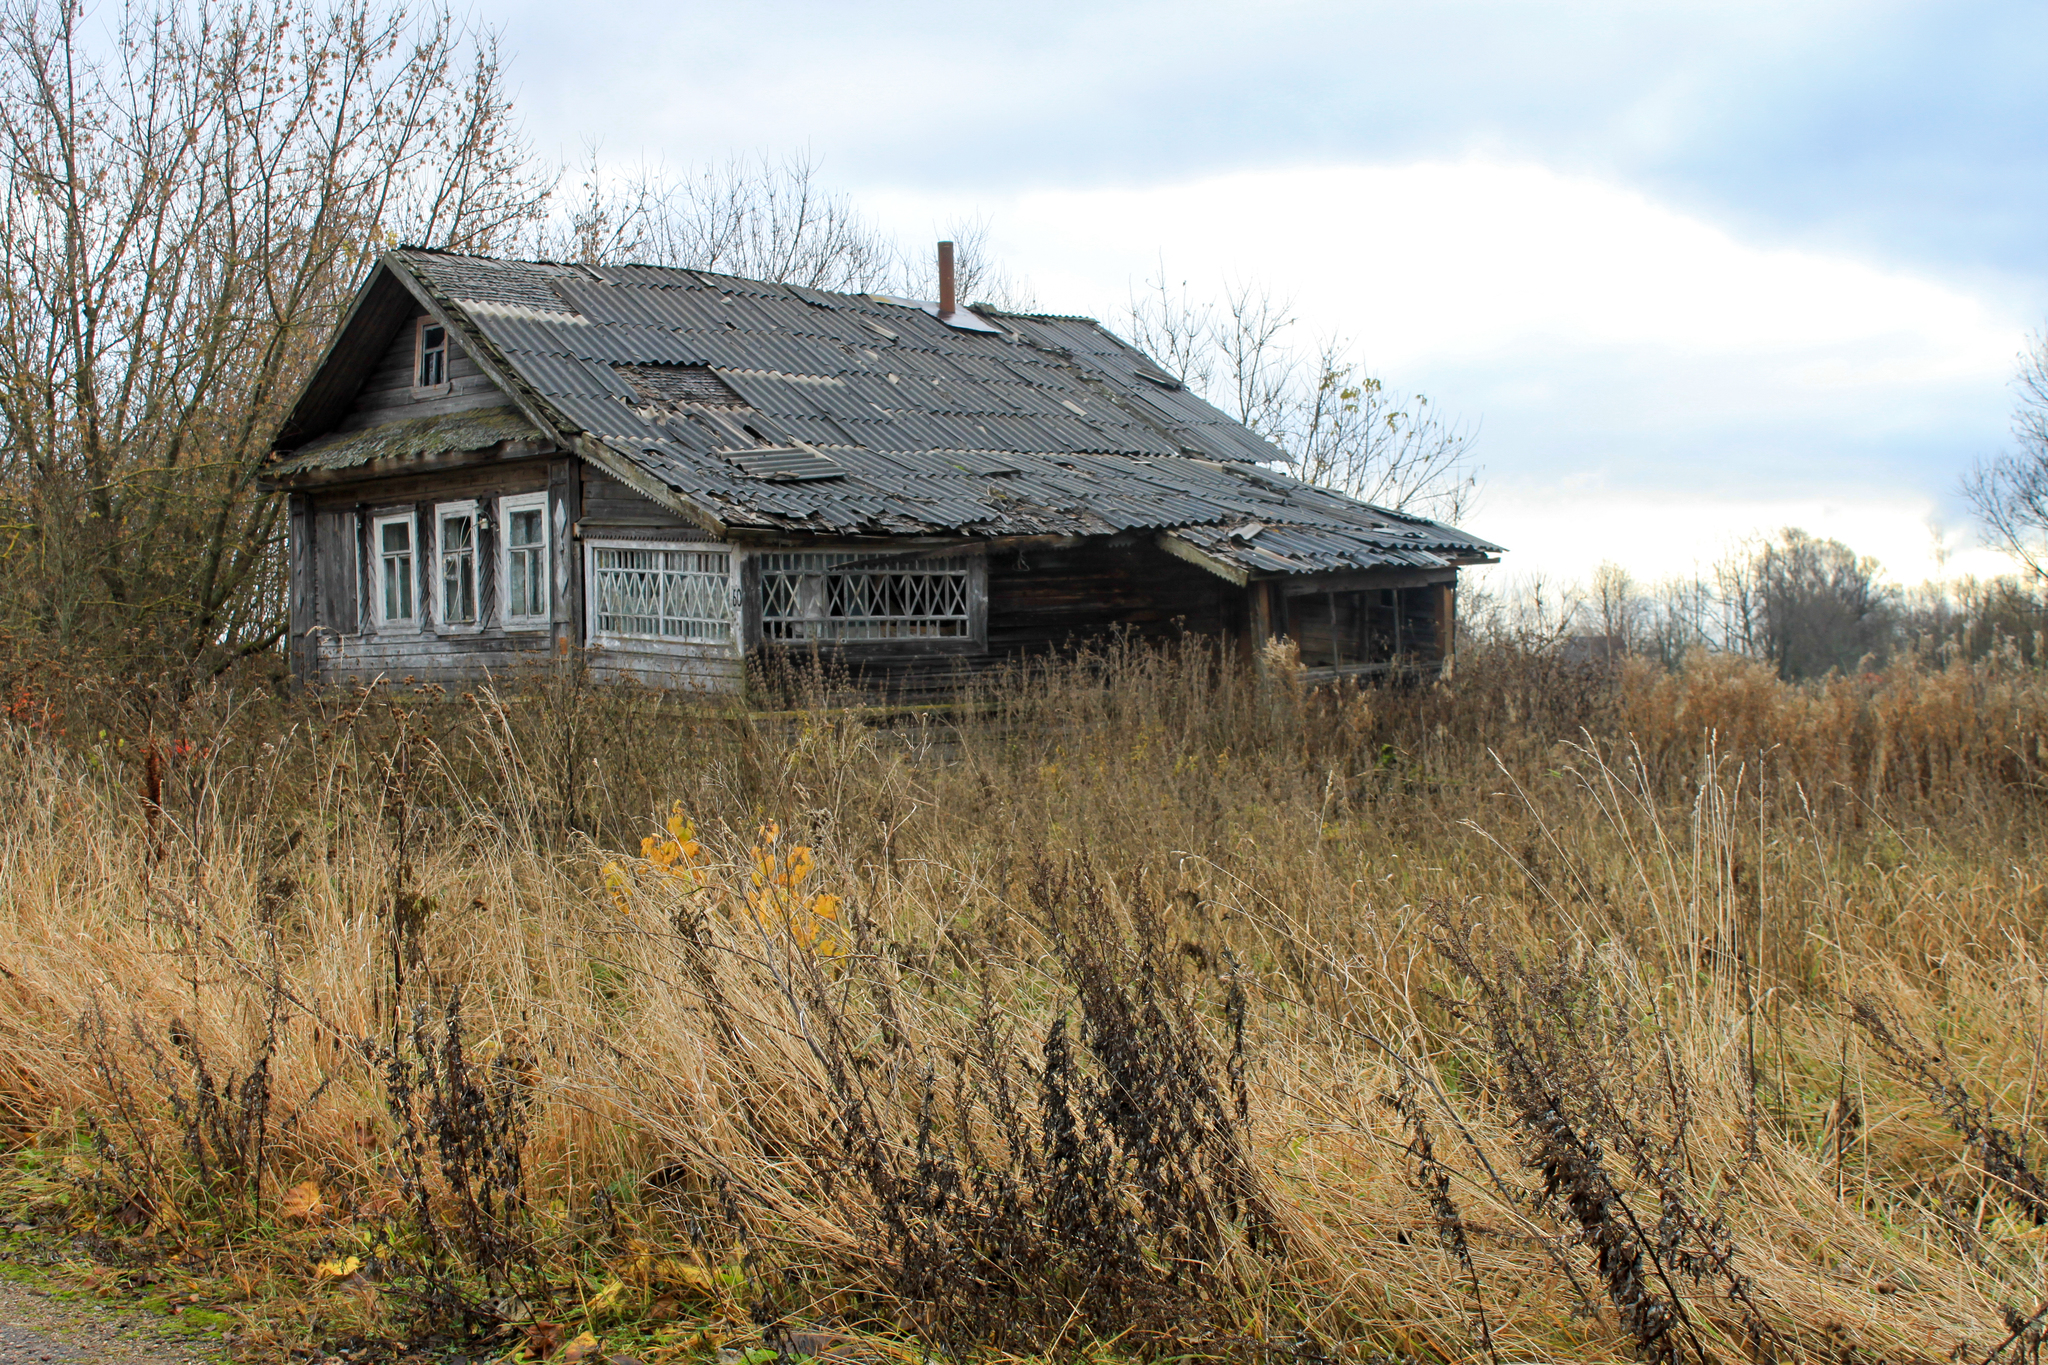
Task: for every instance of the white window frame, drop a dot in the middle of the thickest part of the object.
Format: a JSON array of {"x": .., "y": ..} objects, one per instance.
[
  {"x": 820, "y": 625},
  {"x": 507, "y": 506},
  {"x": 463, "y": 507},
  {"x": 445, "y": 384},
  {"x": 594, "y": 552},
  {"x": 379, "y": 620}
]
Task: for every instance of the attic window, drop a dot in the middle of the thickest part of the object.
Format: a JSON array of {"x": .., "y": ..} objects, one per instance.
[
  {"x": 432, "y": 350},
  {"x": 669, "y": 385}
]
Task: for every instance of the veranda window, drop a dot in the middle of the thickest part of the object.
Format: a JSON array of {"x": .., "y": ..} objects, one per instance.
[
  {"x": 1344, "y": 629},
  {"x": 663, "y": 594},
  {"x": 850, "y": 597}
]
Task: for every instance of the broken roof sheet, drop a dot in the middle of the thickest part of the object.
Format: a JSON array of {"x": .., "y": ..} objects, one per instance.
[{"x": 1044, "y": 425}]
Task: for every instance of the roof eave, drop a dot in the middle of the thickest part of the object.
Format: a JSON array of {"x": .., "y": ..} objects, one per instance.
[{"x": 1202, "y": 559}]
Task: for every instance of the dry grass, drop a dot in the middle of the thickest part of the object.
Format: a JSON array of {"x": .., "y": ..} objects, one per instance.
[{"x": 1136, "y": 1008}]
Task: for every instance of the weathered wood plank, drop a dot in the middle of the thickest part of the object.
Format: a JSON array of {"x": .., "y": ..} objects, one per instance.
[
  {"x": 1359, "y": 579},
  {"x": 299, "y": 532},
  {"x": 334, "y": 582},
  {"x": 608, "y": 503},
  {"x": 388, "y": 393},
  {"x": 654, "y": 663},
  {"x": 479, "y": 481},
  {"x": 476, "y": 393}
]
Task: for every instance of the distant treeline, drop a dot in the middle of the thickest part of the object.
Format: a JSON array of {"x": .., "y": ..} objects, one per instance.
[{"x": 1809, "y": 606}]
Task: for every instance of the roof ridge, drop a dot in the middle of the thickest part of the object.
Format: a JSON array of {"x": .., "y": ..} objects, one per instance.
[{"x": 872, "y": 295}]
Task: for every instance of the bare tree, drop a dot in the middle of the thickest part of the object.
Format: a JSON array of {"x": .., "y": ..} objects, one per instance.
[
  {"x": 2010, "y": 494},
  {"x": 186, "y": 209},
  {"x": 1388, "y": 449},
  {"x": 767, "y": 219},
  {"x": 1614, "y": 607},
  {"x": 760, "y": 217},
  {"x": 1821, "y": 606},
  {"x": 1341, "y": 427},
  {"x": 1681, "y": 613},
  {"x": 1169, "y": 323},
  {"x": 978, "y": 276},
  {"x": 1528, "y": 611}
]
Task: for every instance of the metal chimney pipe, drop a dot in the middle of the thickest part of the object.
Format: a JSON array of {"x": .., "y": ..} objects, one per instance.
[{"x": 946, "y": 300}]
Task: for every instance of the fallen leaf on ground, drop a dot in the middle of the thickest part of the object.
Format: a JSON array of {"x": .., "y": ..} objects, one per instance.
[{"x": 303, "y": 1201}]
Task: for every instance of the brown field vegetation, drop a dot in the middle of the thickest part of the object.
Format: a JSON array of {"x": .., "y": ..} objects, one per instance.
[{"x": 1137, "y": 1008}]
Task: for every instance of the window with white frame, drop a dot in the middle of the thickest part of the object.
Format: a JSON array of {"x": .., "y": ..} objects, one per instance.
[
  {"x": 523, "y": 534},
  {"x": 455, "y": 547},
  {"x": 393, "y": 552},
  {"x": 851, "y": 597},
  {"x": 659, "y": 592}
]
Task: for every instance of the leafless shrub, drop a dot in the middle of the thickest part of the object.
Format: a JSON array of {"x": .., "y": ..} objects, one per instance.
[
  {"x": 225, "y": 1121},
  {"x": 1569, "y": 1064},
  {"x": 460, "y": 1153},
  {"x": 1433, "y": 1179},
  {"x": 1113, "y": 1201}
]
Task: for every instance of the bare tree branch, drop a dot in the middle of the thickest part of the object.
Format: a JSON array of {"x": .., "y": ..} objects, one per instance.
[
  {"x": 186, "y": 209},
  {"x": 1340, "y": 426}
]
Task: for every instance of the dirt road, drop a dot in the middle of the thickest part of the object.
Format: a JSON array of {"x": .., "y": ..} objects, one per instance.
[{"x": 36, "y": 1329}]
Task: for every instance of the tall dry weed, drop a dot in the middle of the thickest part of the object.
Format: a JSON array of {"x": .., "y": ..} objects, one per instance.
[{"x": 1067, "y": 1014}]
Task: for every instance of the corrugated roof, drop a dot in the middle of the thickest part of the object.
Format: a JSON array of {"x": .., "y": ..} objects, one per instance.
[{"x": 1045, "y": 425}]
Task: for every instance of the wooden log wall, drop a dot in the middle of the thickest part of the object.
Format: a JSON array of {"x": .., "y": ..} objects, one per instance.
[
  {"x": 1040, "y": 602},
  {"x": 343, "y": 650},
  {"x": 389, "y": 394},
  {"x": 1036, "y": 601}
]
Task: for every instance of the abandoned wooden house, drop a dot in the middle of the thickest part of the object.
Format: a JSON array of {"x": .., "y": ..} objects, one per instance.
[{"x": 498, "y": 461}]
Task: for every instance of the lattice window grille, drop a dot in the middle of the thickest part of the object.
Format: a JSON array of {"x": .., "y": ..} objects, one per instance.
[
  {"x": 664, "y": 594},
  {"x": 844, "y": 597}
]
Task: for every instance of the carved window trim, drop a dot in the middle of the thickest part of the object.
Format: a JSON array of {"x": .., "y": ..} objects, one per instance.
[
  {"x": 524, "y": 563},
  {"x": 386, "y": 590}
]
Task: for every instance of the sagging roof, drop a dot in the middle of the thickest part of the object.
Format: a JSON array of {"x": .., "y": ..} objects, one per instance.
[
  {"x": 421, "y": 438},
  {"x": 779, "y": 409}
]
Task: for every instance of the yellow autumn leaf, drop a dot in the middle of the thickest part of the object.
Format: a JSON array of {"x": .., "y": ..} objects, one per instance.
[
  {"x": 675, "y": 1270},
  {"x": 637, "y": 1266},
  {"x": 584, "y": 1347},
  {"x": 339, "y": 1269}
]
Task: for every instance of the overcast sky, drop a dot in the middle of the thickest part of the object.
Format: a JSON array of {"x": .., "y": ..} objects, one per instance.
[{"x": 1693, "y": 270}]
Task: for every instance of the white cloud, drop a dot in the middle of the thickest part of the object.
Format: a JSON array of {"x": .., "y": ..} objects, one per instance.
[
  {"x": 1446, "y": 259},
  {"x": 1565, "y": 536},
  {"x": 1676, "y": 379}
]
